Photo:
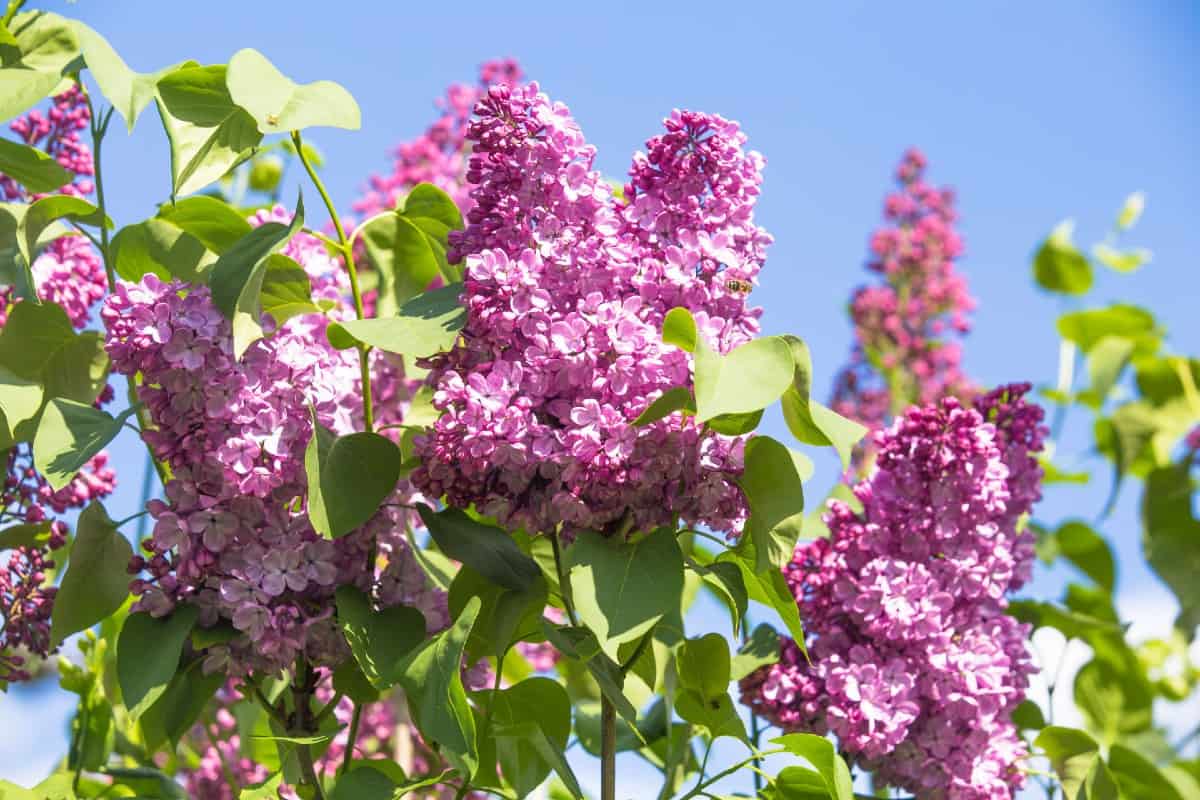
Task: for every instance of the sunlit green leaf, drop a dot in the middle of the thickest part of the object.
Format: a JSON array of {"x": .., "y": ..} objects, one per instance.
[
  {"x": 97, "y": 581},
  {"x": 279, "y": 104}
]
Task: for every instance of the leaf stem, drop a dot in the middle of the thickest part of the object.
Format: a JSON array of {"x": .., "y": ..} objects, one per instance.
[
  {"x": 351, "y": 738},
  {"x": 347, "y": 250},
  {"x": 699, "y": 788},
  {"x": 13, "y": 7},
  {"x": 608, "y": 749}
]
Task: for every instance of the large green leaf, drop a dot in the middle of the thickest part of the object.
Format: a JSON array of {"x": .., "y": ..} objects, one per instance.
[
  {"x": 379, "y": 639},
  {"x": 679, "y": 329},
  {"x": 820, "y": 753},
  {"x": 237, "y": 277},
  {"x": 506, "y": 616},
  {"x": 30, "y": 534},
  {"x": 176, "y": 711},
  {"x": 670, "y": 401},
  {"x": 32, "y": 335},
  {"x": 518, "y": 715},
  {"x": 78, "y": 370},
  {"x": 769, "y": 588},
  {"x": 1139, "y": 778},
  {"x": 31, "y": 167},
  {"x": 749, "y": 378},
  {"x": 487, "y": 549},
  {"x": 1115, "y": 698},
  {"x": 279, "y": 104},
  {"x": 68, "y": 435},
  {"x": 1170, "y": 534},
  {"x": 432, "y": 681},
  {"x": 348, "y": 478},
  {"x": 716, "y": 714},
  {"x": 43, "y": 213},
  {"x": 33, "y": 63},
  {"x": 621, "y": 589},
  {"x": 156, "y": 246},
  {"x": 97, "y": 581},
  {"x": 20, "y": 401},
  {"x": 148, "y": 653},
  {"x": 1059, "y": 266},
  {"x": 1075, "y": 757},
  {"x": 208, "y": 133},
  {"x": 425, "y": 325},
  {"x": 129, "y": 92},
  {"x": 1087, "y": 550},
  {"x": 760, "y": 650},
  {"x": 286, "y": 290},
  {"x": 214, "y": 222},
  {"x": 580, "y": 644},
  {"x": 809, "y": 421},
  {"x": 1087, "y": 328},
  {"x": 773, "y": 483},
  {"x": 703, "y": 665}
]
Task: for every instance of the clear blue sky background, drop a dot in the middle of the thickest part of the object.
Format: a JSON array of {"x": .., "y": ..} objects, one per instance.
[{"x": 1033, "y": 111}]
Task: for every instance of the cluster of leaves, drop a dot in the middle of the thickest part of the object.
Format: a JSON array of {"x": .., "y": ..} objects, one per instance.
[
  {"x": 629, "y": 675},
  {"x": 1143, "y": 402}
]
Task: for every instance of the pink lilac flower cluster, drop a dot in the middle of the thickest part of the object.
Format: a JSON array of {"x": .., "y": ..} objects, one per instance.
[
  {"x": 439, "y": 155},
  {"x": 915, "y": 666},
  {"x": 566, "y": 288},
  {"x": 231, "y": 537},
  {"x": 56, "y": 131},
  {"x": 901, "y": 354}
]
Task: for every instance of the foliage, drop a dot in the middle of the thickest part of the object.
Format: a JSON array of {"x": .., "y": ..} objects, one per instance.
[{"x": 438, "y": 486}]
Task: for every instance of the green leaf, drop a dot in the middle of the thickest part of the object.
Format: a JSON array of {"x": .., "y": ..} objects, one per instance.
[
  {"x": 379, "y": 639},
  {"x": 348, "y": 678},
  {"x": 749, "y": 378},
  {"x": 1105, "y": 363},
  {"x": 278, "y": 104},
  {"x": 148, "y": 653},
  {"x": 773, "y": 483},
  {"x": 176, "y": 711},
  {"x": 726, "y": 582},
  {"x": 433, "y": 684},
  {"x": 427, "y": 203},
  {"x": 43, "y": 213},
  {"x": 1115, "y": 698},
  {"x": 208, "y": 134},
  {"x": 96, "y": 582},
  {"x": 425, "y": 325},
  {"x": 621, "y": 589},
  {"x": 581, "y": 645},
  {"x": 1058, "y": 264},
  {"x": 798, "y": 783},
  {"x": 1138, "y": 778},
  {"x": 267, "y": 790},
  {"x": 506, "y": 616},
  {"x": 214, "y": 222},
  {"x": 146, "y": 782},
  {"x": 1088, "y": 551},
  {"x": 703, "y": 665},
  {"x": 1075, "y": 757},
  {"x": 531, "y": 721},
  {"x": 760, "y": 650},
  {"x": 286, "y": 291},
  {"x": 20, "y": 401},
  {"x": 34, "y": 169},
  {"x": 129, "y": 92},
  {"x": 809, "y": 421},
  {"x": 675, "y": 399},
  {"x": 1170, "y": 532},
  {"x": 1131, "y": 211},
  {"x": 34, "y": 60},
  {"x": 716, "y": 714},
  {"x": 679, "y": 329},
  {"x": 819, "y": 752},
  {"x": 485, "y": 548},
  {"x": 1028, "y": 716},
  {"x": 363, "y": 783},
  {"x": 1087, "y": 328},
  {"x": 1121, "y": 260},
  {"x": 156, "y": 246},
  {"x": 32, "y": 335},
  {"x": 237, "y": 277},
  {"x": 68, "y": 435},
  {"x": 33, "y": 534},
  {"x": 78, "y": 370},
  {"x": 348, "y": 478},
  {"x": 736, "y": 424},
  {"x": 771, "y": 589}
]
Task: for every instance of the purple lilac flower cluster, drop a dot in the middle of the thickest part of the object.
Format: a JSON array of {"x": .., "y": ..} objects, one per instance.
[
  {"x": 67, "y": 272},
  {"x": 230, "y": 536},
  {"x": 915, "y": 666},
  {"x": 439, "y": 155},
  {"x": 566, "y": 288},
  {"x": 900, "y": 354}
]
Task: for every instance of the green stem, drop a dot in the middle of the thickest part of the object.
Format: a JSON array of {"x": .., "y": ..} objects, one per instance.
[
  {"x": 699, "y": 788},
  {"x": 563, "y": 586},
  {"x": 99, "y": 129},
  {"x": 347, "y": 250},
  {"x": 302, "y": 691},
  {"x": 13, "y": 7},
  {"x": 608, "y": 749},
  {"x": 351, "y": 739}
]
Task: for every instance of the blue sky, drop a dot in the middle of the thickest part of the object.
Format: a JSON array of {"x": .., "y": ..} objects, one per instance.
[{"x": 1034, "y": 112}]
